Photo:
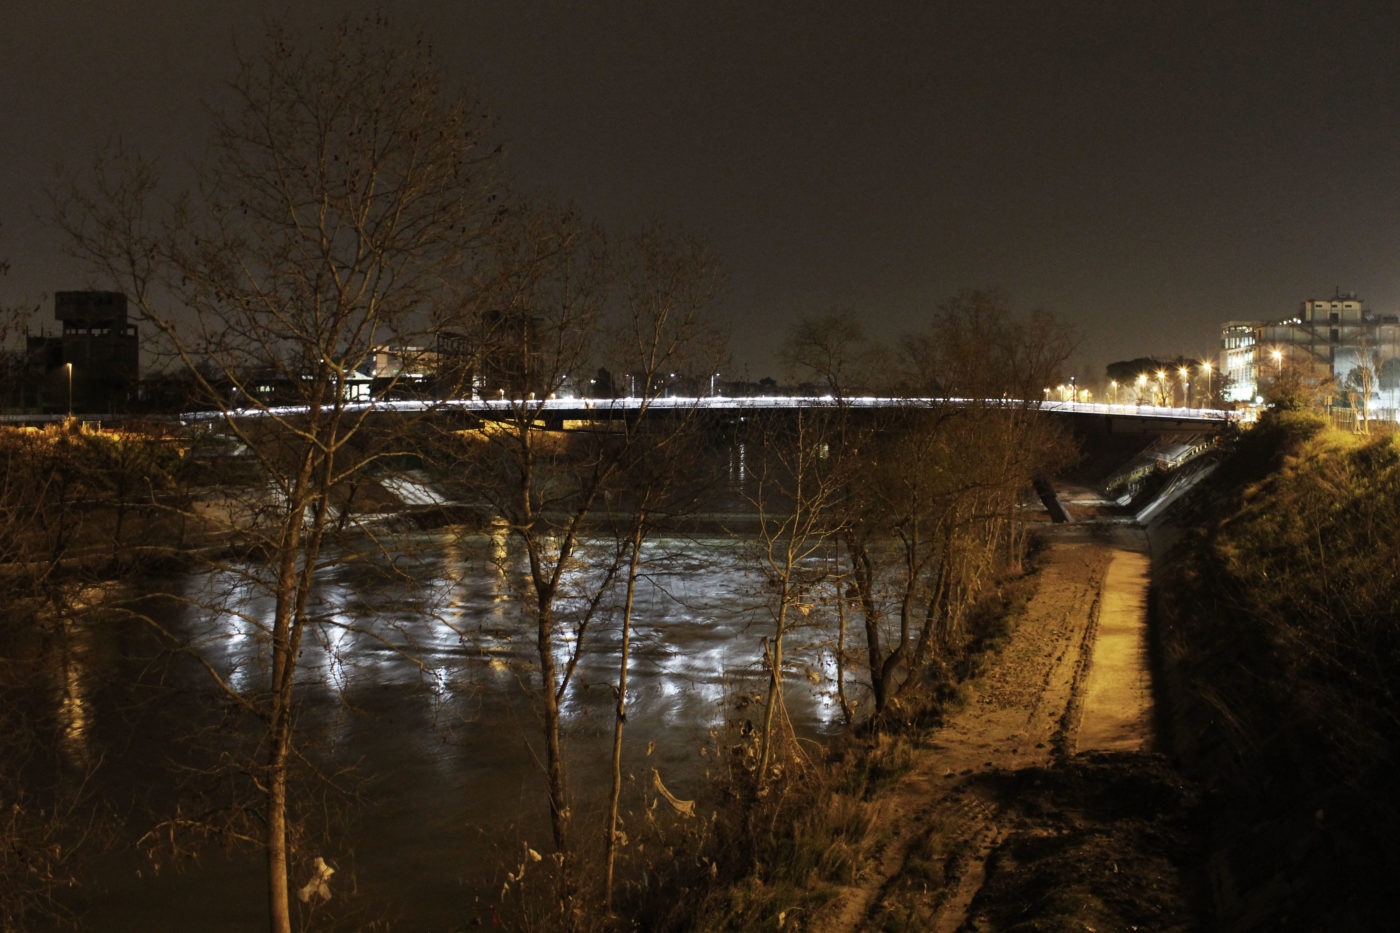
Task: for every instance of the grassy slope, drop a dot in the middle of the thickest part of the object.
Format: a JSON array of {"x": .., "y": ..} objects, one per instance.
[{"x": 1280, "y": 635}]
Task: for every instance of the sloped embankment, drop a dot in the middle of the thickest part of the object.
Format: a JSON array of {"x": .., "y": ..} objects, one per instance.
[{"x": 1278, "y": 637}]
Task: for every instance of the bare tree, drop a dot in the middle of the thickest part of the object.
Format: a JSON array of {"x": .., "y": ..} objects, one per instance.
[
  {"x": 1363, "y": 380},
  {"x": 929, "y": 510},
  {"x": 667, "y": 283},
  {"x": 346, "y": 195},
  {"x": 540, "y": 484},
  {"x": 795, "y": 492},
  {"x": 835, "y": 352},
  {"x": 565, "y": 305},
  {"x": 14, "y": 329}
]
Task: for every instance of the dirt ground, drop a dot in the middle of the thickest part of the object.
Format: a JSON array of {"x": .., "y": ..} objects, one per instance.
[{"x": 1040, "y": 805}]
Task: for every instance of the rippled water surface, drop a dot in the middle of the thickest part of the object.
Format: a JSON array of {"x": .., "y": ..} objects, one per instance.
[{"x": 417, "y": 683}]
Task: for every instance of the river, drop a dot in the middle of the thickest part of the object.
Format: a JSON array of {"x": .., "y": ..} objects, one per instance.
[{"x": 417, "y": 686}]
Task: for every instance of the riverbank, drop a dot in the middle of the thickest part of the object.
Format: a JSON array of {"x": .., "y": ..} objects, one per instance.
[
  {"x": 1039, "y": 797},
  {"x": 1028, "y": 802}
]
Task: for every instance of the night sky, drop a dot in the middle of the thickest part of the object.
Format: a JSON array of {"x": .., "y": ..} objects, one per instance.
[{"x": 1146, "y": 170}]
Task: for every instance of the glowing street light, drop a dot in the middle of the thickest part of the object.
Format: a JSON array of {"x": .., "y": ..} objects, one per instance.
[
  {"x": 1113, "y": 385},
  {"x": 1185, "y": 386},
  {"x": 69, "y": 367},
  {"x": 1206, "y": 368},
  {"x": 1278, "y": 361},
  {"x": 1162, "y": 385}
]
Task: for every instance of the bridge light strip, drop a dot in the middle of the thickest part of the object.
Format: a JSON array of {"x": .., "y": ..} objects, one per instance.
[{"x": 536, "y": 407}]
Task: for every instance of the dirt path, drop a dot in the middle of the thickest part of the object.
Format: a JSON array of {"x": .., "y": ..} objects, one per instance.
[
  {"x": 1117, "y": 707},
  {"x": 1047, "y": 696}
]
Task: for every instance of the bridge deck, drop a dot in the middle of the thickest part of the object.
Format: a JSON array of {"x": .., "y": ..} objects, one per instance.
[{"x": 604, "y": 407}]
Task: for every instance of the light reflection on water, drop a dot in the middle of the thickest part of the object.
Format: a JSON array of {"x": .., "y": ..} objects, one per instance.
[
  {"x": 75, "y": 646},
  {"x": 420, "y": 668},
  {"x": 446, "y": 612},
  {"x": 70, "y": 661}
]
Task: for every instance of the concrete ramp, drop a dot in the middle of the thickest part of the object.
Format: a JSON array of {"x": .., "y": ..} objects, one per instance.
[
  {"x": 1182, "y": 482},
  {"x": 412, "y": 489}
]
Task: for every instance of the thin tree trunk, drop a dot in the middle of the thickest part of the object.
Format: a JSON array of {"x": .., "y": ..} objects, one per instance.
[
  {"x": 846, "y": 711},
  {"x": 620, "y": 718},
  {"x": 299, "y": 548},
  {"x": 554, "y": 759},
  {"x": 283, "y": 663},
  {"x": 862, "y": 574},
  {"x": 279, "y": 906},
  {"x": 774, "y": 652}
]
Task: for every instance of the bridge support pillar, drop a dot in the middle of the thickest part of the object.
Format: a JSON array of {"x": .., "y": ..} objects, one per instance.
[{"x": 1051, "y": 500}]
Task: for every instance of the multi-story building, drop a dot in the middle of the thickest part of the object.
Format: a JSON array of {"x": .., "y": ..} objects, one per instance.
[
  {"x": 93, "y": 366},
  {"x": 1239, "y": 368},
  {"x": 1335, "y": 339}
]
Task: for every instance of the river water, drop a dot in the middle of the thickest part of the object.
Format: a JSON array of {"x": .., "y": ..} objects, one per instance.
[{"x": 418, "y": 683}]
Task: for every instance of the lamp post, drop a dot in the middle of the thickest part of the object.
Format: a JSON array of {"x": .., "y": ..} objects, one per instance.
[
  {"x": 1185, "y": 386},
  {"x": 1278, "y": 361},
  {"x": 69, "y": 367},
  {"x": 1141, "y": 386},
  {"x": 1162, "y": 386},
  {"x": 1113, "y": 385},
  {"x": 1206, "y": 368}
]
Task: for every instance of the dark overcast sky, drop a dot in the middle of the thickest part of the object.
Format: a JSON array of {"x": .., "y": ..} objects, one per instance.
[{"x": 1146, "y": 170}]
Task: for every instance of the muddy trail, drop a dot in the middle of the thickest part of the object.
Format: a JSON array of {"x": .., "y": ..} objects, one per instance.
[{"x": 1041, "y": 800}]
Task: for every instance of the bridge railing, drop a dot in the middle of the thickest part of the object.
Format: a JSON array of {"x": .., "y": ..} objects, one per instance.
[{"x": 607, "y": 406}]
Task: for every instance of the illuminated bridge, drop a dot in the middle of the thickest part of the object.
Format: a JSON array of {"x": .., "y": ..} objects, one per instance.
[{"x": 555, "y": 411}]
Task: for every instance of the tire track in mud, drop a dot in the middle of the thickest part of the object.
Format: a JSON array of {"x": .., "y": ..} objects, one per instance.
[{"x": 1021, "y": 713}]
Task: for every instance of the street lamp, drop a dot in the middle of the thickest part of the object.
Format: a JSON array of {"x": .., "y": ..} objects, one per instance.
[
  {"x": 1206, "y": 368},
  {"x": 1185, "y": 386},
  {"x": 69, "y": 367},
  {"x": 1278, "y": 361},
  {"x": 1141, "y": 386},
  {"x": 1113, "y": 384},
  {"x": 1162, "y": 385}
]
